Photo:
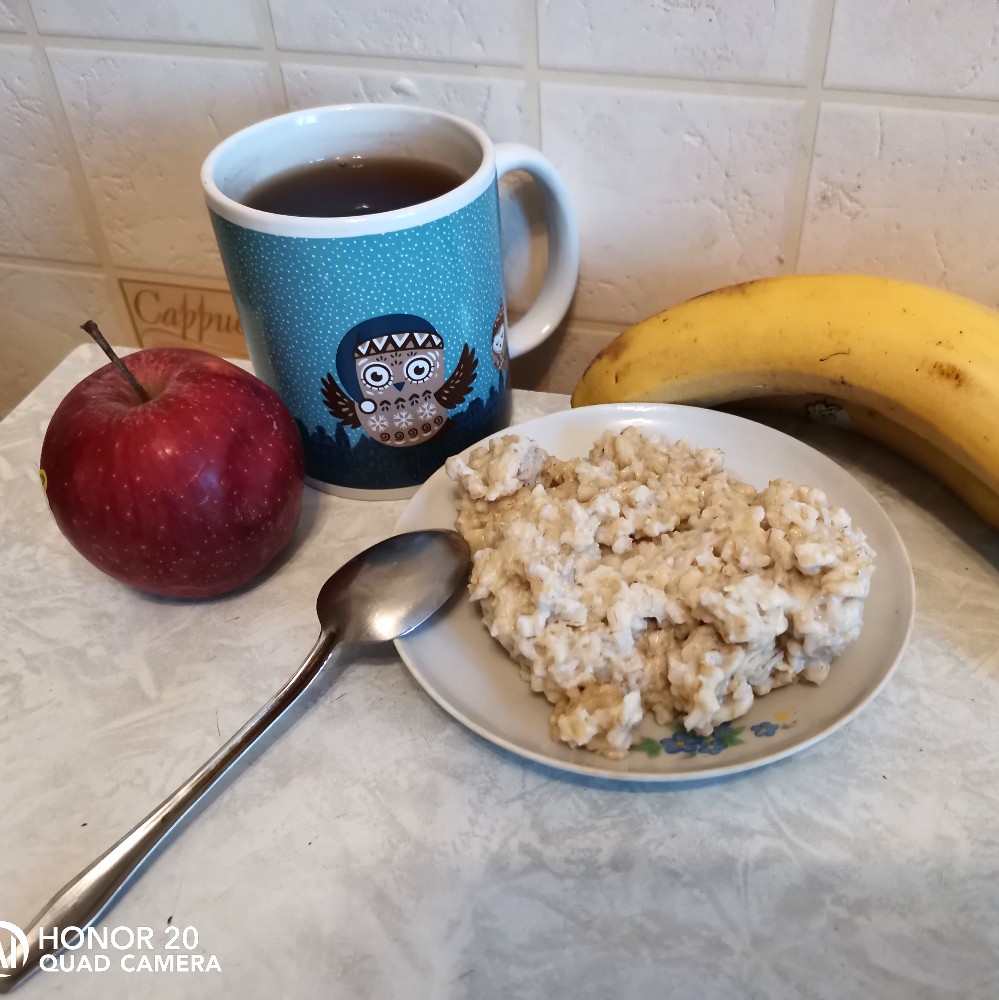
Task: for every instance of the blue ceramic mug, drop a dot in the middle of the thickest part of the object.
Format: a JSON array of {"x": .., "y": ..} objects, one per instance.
[{"x": 385, "y": 334}]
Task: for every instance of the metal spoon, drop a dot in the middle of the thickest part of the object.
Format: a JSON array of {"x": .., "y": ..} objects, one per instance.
[{"x": 379, "y": 595}]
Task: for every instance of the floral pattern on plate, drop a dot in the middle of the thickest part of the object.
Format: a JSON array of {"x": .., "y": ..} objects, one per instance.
[{"x": 724, "y": 736}]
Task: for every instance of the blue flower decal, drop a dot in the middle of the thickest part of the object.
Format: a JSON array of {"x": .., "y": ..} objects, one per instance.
[
  {"x": 690, "y": 744},
  {"x": 726, "y": 735}
]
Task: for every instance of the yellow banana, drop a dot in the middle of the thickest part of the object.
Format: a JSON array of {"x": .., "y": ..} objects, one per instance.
[
  {"x": 914, "y": 367},
  {"x": 875, "y": 425},
  {"x": 937, "y": 463}
]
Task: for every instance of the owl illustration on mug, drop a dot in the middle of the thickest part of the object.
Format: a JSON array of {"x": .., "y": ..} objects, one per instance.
[
  {"x": 392, "y": 380},
  {"x": 501, "y": 357}
]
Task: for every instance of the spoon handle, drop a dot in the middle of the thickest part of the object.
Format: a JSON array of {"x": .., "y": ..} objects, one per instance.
[{"x": 83, "y": 899}]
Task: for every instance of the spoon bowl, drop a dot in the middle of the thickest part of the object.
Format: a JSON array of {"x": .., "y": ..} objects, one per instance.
[{"x": 393, "y": 587}]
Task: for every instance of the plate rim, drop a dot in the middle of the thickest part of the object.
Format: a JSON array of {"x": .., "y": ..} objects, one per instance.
[{"x": 665, "y": 777}]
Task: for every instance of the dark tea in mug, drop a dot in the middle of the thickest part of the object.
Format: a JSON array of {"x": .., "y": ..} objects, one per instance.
[{"x": 351, "y": 186}]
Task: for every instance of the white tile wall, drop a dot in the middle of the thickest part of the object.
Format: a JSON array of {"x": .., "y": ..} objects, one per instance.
[
  {"x": 754, "y": 40},
  {"x": 471, "y": 31},
  {"x": 916, "y": 47},
  {"x": 39, "y": 212},
  {"x": 223, "y": 22},
  {"x": 908, "y": 193},
  {"x": 676, "y": 194},
  {"x": 47, "y": 308},
  {"x": 705, "y": 141},
  {"x": 143, "y": 124},
  {"x": 9, "y": 19},
  {"x": 498, "y": 105}
]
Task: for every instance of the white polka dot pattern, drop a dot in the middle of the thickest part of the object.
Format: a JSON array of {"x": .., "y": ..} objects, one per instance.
[{"x": 297, "y": 297}]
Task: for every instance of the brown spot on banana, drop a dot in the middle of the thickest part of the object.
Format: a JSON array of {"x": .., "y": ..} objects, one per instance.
[
  {"x": 948, "y": 372},
  {"x": 612, "y": 351}
]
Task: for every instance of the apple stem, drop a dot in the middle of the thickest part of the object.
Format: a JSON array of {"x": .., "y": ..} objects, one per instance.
[{"x": 95, "y": 331}]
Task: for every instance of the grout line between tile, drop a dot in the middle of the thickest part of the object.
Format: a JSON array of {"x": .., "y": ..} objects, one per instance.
[
  {"x": 530, "y": 73},
  {"x": 51, "y": 264},
  {"x": 797, "y": 194},
  {"x": 625, "y": 81},
  {"x": 74, "y": 166},
  {"x": 343, "y": 60},
  {"x": 265, "y": 25},
  {"x": 141, "y": 46},
  {"x": 919, "y": 102},
  {"x": 155, "y": 274},
  {"x": 597, "y": 327}
]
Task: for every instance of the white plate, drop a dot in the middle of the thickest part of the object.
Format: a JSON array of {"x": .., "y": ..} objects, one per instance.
[{"x": 471, "y": 676}]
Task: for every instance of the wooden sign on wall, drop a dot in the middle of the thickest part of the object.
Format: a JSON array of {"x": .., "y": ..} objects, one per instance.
[{"x": 165, "y": 314}]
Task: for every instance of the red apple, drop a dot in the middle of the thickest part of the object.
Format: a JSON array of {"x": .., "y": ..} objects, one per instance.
[{"x": 190, "y": 493}]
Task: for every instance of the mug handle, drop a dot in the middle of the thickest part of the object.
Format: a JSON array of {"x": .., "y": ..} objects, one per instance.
[{"x": 556, "y": 292}]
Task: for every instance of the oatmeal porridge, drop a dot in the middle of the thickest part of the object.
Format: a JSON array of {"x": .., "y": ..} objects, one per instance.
[{"x": 645, "y": 578}]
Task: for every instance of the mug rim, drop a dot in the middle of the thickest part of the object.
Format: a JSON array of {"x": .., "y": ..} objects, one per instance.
[{"x": 323, "y": 227}]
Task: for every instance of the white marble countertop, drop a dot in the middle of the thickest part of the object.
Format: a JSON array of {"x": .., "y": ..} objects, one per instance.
[{"x": 377, "y": 849}]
